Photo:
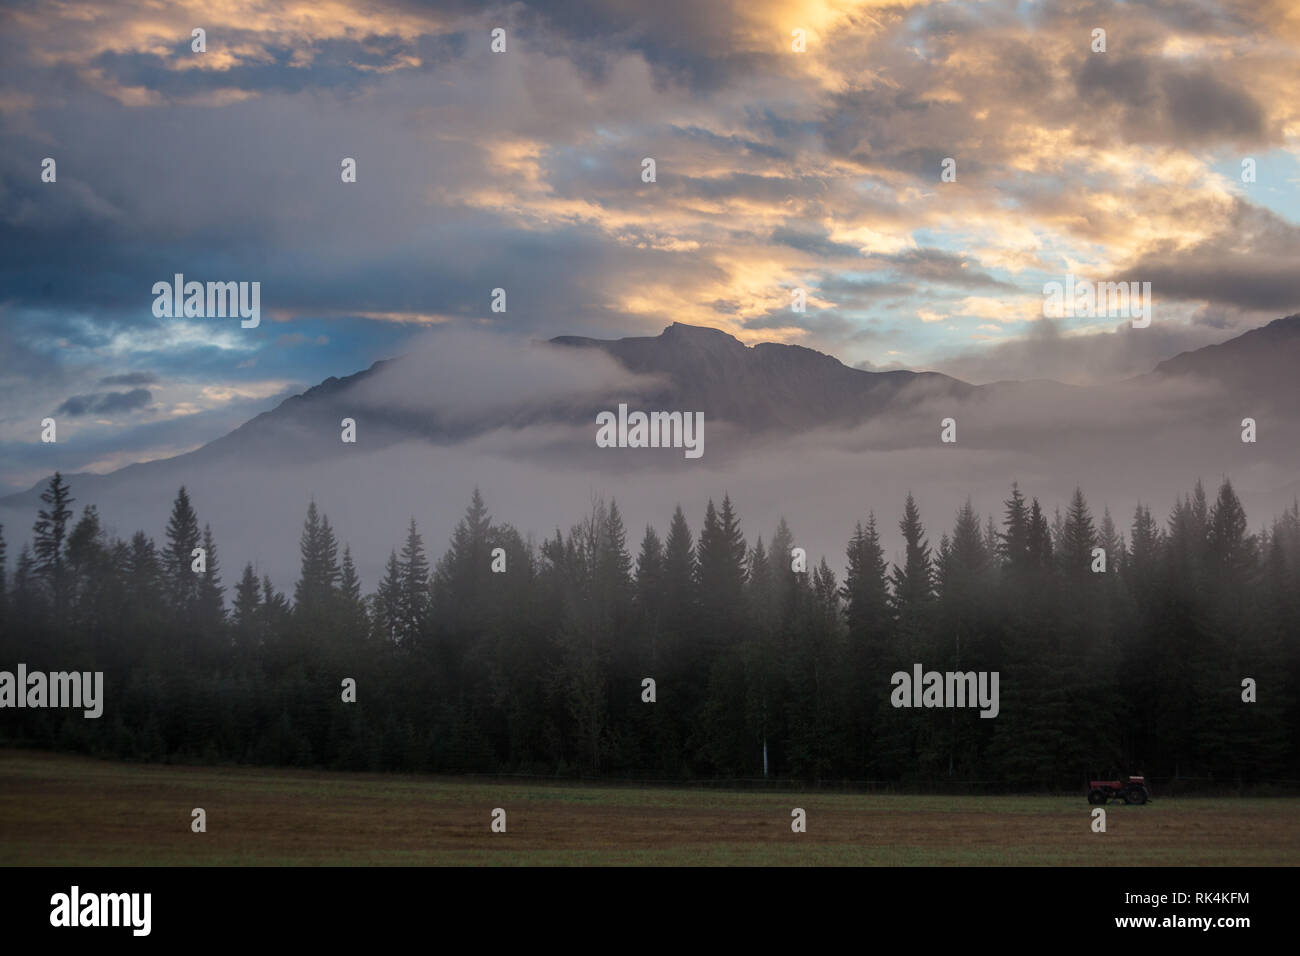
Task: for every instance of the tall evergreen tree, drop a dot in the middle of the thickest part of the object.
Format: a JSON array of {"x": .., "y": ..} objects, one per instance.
[
  {"x": 352, "y": 608},
  {"x": 460, "y": 578},
  {"x": 318, "y": 579},
  {"x": 865, "y": 590},
  {"x": 48, "y": 535},
  {"x": 1078, "y": 538},
  {"x": 210, "y": 599},
  {"x": 183, "y": 537},
  {"x": 913, "y": 583},
  {"x": 1039, "y": 544},
  {"x": 414, "y": 594},
  {"x": 387, "y": 616},
  {"x": 247, "y": 610},
  {"x": 721, "y": 560},
  {"x": 1014, "y": 548}
]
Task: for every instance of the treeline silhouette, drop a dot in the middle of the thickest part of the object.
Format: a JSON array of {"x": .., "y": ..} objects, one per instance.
[{"x": 540, "y": 668}]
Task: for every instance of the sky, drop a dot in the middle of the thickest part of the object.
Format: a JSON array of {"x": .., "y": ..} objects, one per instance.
[{"x": 775, "y": 170}]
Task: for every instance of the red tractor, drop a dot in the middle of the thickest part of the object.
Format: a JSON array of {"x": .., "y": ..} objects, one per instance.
[{"x": 1133, "y": 791}]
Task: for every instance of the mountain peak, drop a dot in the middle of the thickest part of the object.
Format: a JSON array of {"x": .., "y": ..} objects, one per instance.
[{"x": 700, "y": 334}]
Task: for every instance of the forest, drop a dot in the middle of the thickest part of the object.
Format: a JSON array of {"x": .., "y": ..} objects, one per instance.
[{"x": 512, "y": 655}]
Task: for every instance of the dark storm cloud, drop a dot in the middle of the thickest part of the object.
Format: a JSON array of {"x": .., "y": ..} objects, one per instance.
[
  {"x": 1163, "y": 101},
  {"x": 684, "y": 41},
  {"x": 130, "y": 378},
  {"x": 1251, "y": 263},
  {"x": 816, "y": 243},
  {"x": 105, "y": 403}
]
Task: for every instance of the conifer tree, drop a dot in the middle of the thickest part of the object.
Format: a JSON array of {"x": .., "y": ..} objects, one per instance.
[
  {"x": 247, "y": 610},
  {"x": 183, "y": 537},
  {"x": 414, "y": 593},
  {"x": 352, "y": 608},
  {"x": 1078, "y": 538},
  {"x": 913, "y": 583},
  {"x": 211, "y": 595},
  {"x": 1014, "y": 547},
  {"x": 387, "y": 617},
  {"x": 865, "y": 590},
  {"x": 48, "y": 534},
  {"x": 721, "y": 560}
]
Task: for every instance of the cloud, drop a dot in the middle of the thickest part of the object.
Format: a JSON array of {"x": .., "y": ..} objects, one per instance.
[
  {"x": 458, "y": 374},
  {"x": 130, "y": 378},
  {"x": 1054, "y": 351},
  {"x": 522, "y": 171},
  {"x": 105, "y": 403}
]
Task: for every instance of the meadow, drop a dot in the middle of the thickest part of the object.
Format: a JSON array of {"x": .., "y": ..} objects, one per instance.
[{"x": 63, "y": 810}]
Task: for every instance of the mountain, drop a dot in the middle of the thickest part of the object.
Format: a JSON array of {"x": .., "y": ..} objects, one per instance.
[
  {"x": 769, "y": 388},
  {"x": 791, "y": 432},
  {"x": 1259, "y": 364},
  {"x": 765, "y": 386}
]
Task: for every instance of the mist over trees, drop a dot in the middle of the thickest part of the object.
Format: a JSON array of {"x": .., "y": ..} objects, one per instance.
[{"x": 506, "y": 654}]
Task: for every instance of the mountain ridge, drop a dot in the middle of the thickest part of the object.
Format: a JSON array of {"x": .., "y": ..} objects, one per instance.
[{"x": 762, "y": 388}]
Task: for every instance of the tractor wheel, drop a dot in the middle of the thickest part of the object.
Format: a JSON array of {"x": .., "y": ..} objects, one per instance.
[
  {"x": 1097, "y": 796},
  {"x": 1135, "y": 795}
]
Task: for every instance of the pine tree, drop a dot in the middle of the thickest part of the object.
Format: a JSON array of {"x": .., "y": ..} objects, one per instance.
[
  {"x": 210, "y": 599},
  {"x": 721, "y": 559},
  {"x": 276, "y": 612},
  {"x": 414, "y": 592},
  {"x": 649, "y": 571},
  {"x": 1014, "y": 547},
  {"x": 1078, "y": 538},
  {"x": 47, "y": 541},
  {"x": 1231, "y": 550},
  {"x": 182, "y": 539},
  {"x": 1039, "y": 543},
  {"x": 967, "y": 560},
  {"x": 680, "y": 571},
  {"x": 459, "y": 588},
  {"x": 679, "y": 596},
  {"x": 1108, "y": 539},
  {"x": 1143, "y": 555},
  {"x": 913, "y": 583},
  {"x": 387, "y": 614},
  {"x": 613, "y": 566},
  {"x": 352, "y": 608},
  {"x": 865, "y": 591},
  {"x": 86, "y": 565},
  {"x": 647, "y": 598},
  {"x": 247, "y": 610},
  {"x": 144, "y": 583},
  {"x": 314, "y": 594}
]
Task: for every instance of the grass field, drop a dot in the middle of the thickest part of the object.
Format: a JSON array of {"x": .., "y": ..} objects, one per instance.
[{"x": 73, "y": 811}]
